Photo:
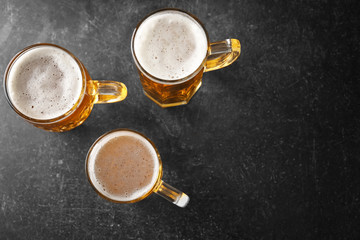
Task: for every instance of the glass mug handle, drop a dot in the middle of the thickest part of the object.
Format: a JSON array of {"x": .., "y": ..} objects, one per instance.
[
  {"x": 172, "y": 194},
  {"x": 106, "y": 91},
  {"x": 222, "y": 54}
]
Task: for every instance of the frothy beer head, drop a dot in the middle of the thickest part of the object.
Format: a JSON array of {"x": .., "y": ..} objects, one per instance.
[
  {"x": 123, "y": 166},
  {"x": 170, "y": 45},
  {"x": 44, "y": 82}
]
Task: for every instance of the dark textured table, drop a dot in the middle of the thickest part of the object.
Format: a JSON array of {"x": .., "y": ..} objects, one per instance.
[{"x": 267, "y": 149}]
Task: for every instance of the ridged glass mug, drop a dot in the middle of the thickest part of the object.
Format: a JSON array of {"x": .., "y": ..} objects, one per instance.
[
  {"x": 167, "y": 92},
  {"x": 92, "y": 92}
]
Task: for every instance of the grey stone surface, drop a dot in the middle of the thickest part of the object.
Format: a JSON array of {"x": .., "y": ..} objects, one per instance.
[{"x": 267, "y": 149}]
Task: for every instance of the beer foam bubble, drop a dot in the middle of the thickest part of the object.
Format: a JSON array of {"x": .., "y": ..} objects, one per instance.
[
  {"x": 123, "y": 166},
  {"x": 44, "y": 82},
  {"x": 170, "y": 45}
]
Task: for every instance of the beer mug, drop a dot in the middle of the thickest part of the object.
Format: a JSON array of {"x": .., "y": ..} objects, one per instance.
[
  {"x": 124, "y": 166},
  {"x": 50, "y": 88},
  {"x": 171, "y": 50}
]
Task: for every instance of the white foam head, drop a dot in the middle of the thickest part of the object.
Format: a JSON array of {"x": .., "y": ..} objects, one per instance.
[
  {"x": 170, "y": 45},
  {"x": 131, "y": 170},
  {"x": 44, "y": 82}
]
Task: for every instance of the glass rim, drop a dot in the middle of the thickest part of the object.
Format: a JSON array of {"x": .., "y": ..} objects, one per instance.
[
  {"x": 49, "y": 120},
  {"x": 158, "y": 180},
  {"x": 165, "y": 81}
]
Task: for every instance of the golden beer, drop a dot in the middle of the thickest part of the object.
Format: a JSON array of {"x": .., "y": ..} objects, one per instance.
[
  {"x": 171, "y": 50},
  {"x": 173, "y": 94},
  {"x": 50, "y": 88}
]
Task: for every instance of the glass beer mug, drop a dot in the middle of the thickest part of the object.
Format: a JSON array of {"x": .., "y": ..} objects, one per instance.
[
  {"x": 124, "y": 166},
  {"x": 171, "y": 50},
  {"x": 50, "y": 88}
]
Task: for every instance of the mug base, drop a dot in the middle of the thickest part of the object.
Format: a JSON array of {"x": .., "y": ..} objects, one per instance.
[{"x": 174, "y": 104}]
